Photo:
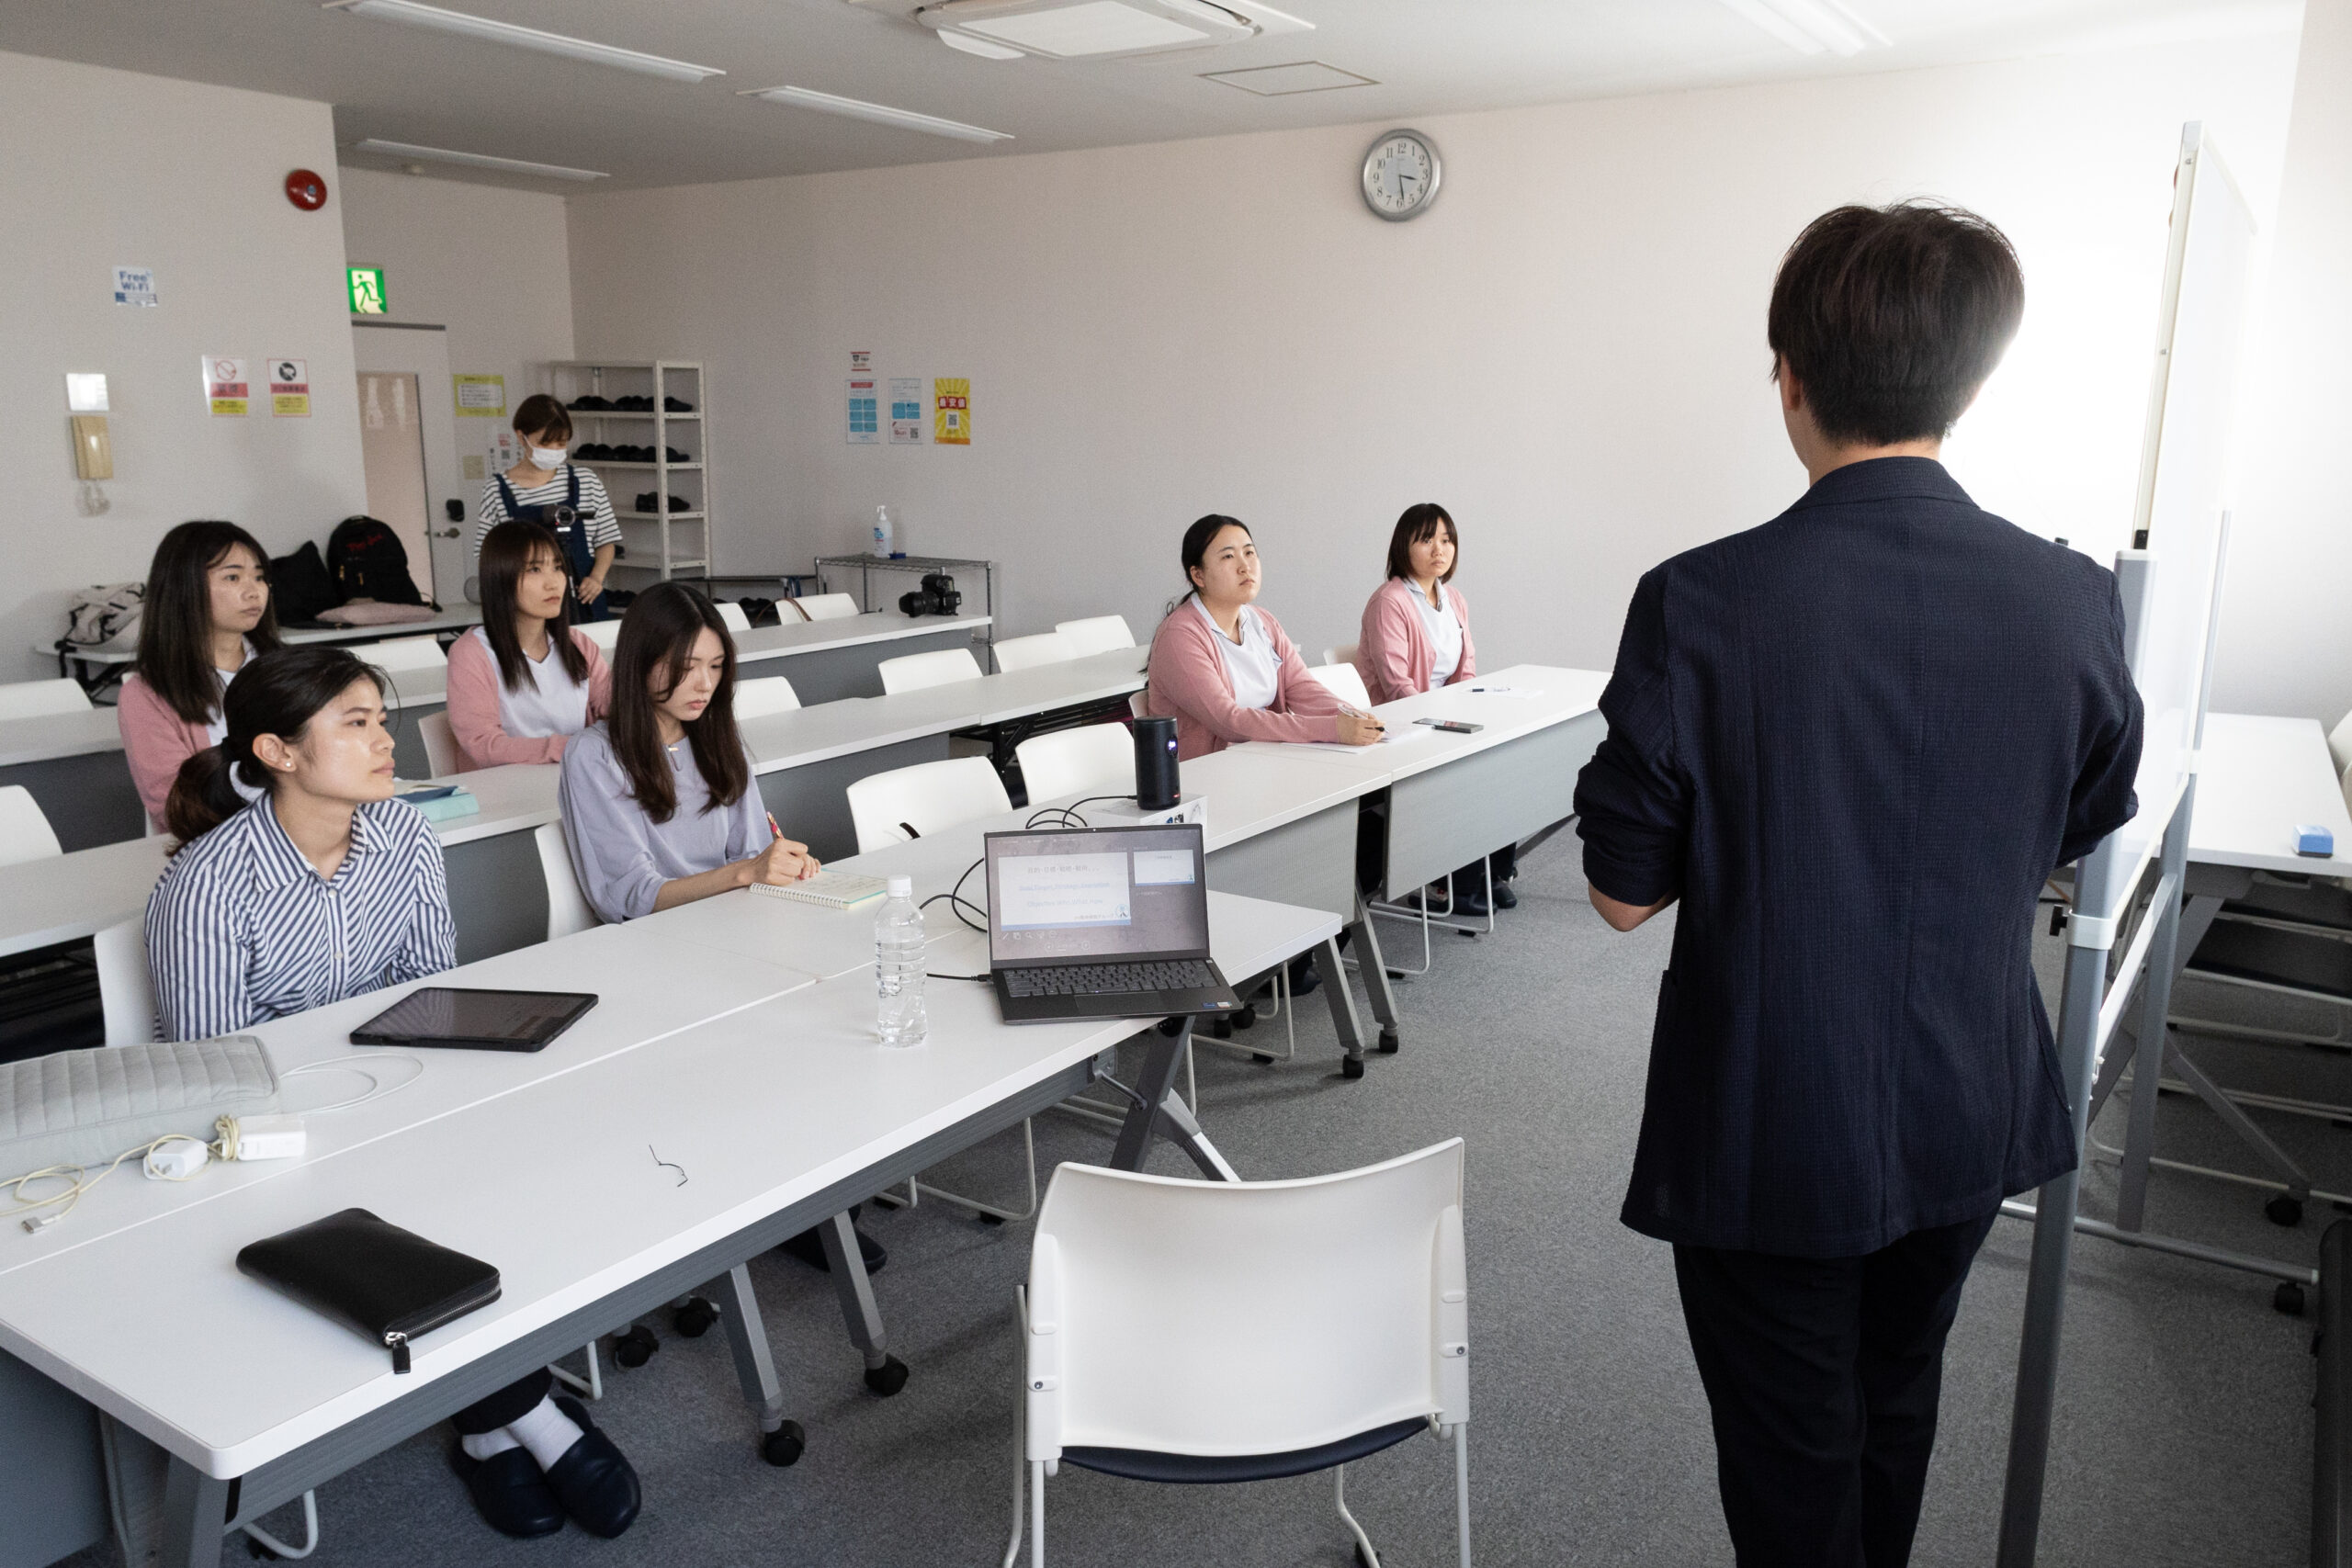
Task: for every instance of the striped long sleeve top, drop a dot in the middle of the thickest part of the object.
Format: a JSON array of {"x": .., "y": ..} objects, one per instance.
[{"x": 242, "y": 929}]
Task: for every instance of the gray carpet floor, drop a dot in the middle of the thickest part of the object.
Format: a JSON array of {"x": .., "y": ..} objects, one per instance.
[{"x": 2184, "y": 1433}]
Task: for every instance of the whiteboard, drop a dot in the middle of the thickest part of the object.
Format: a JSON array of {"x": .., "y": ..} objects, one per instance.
[{"x": 2184, "y": 475}]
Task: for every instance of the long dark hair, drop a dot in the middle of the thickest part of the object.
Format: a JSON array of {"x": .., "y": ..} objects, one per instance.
[
  {"x": 1418, "y": 524},
  {"x": 1195, "y": 548},
  {"x": 506, "y": 552},
  {"x": 279, "y": 694},
  {"x": 176, "y": 626},
  {"x": 657, "y": 636}
]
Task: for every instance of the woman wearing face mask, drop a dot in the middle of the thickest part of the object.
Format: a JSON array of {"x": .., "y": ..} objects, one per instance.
[
  {"x": 569, "y": 501},
  {"x": 525, "y": 681},
  {"x": 208, "y": 612},
  {"x": 1221, "y": 667}
]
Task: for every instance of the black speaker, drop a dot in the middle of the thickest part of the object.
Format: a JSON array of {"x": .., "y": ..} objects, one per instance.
[{"x": 1156, "y": 785}]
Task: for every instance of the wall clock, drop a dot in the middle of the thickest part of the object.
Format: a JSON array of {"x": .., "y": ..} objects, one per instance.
[{"x": 1400, "y": 175}]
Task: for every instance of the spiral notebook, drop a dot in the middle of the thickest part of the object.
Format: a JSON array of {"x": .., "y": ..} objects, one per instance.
[{"x": 828, "y": 889}]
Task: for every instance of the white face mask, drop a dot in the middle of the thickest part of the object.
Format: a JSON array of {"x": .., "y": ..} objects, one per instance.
[{"x": 548, "y": 457}]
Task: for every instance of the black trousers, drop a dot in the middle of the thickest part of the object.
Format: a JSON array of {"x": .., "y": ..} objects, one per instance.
[
  {"x": 513, "y": 1402},
  {"x": 1822, "y": 1374}
]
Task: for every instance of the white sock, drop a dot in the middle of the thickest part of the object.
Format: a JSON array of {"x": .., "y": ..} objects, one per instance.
[
  {"x": 546, "y": 1431},
  {"x": 479, "y": 1446}
]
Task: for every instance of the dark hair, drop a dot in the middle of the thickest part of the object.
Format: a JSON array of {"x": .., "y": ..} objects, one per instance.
[
  {"x": 176, "y": 626},
  {"x": 1890, "y": 317},
  {"x": 506, "y": 551},
  {"x": 1417, "y": 523},
  {"x": 279, "y": 694},
  {"x": 540, "y": 414},
  {"x": 657, "y": 636},
  {"x": 1195, "y": 548}
]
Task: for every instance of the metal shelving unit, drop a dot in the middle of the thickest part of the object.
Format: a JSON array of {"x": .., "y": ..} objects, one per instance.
[
  {"x": 677, "y": 543},
  {"x": 915, "y": 566}
]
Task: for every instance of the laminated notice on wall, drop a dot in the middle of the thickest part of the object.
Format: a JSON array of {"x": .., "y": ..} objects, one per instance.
[
  {"x": 134, "y": 286},
  {"x": 864, "y": 416},
  {"x": 951, "y": 400},
  {"x": 289, "y": 388},
  {"x": 228, "y": 385},
  {"x": 481, "y": 397},
  {"x": 906, "y": 410}
]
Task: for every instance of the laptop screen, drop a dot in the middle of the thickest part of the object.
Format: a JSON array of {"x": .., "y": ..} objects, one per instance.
[{"x": 1080, "y": 893}]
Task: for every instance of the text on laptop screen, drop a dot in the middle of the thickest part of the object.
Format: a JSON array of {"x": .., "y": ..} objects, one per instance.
[{"x": 1105, "y": 894}]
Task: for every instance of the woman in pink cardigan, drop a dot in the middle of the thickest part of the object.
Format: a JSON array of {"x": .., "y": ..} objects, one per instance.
[
  {"x": 1222, "y": 669},
  {"x": 525, "y": 681},
  {"x": 206, "y": 612}
]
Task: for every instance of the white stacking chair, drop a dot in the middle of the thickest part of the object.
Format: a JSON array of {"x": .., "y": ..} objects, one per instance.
[
  {"x": 1345, "y": 681},
  {"x": 1133, "y": 1366},
  {"x": 34, "y": 699},
  {"x": 913, "y": 672},
  {"x": 441, "y": 754},
  {"x": 126, "y": 996},
  {"x": 24, "y": 833},
  {"x": 603, "y": 634},
  {"x": 765, "y": 695},
  {"x": 1096, "y": 634},
  {"x": 737, "y": 618},
  {"x": 829, "y": 606},
  {"x": 1028, "y": 652},
  {"x": 1071, "y": 762},
  {"x": 1340, "y": 653},
  {"x": 568, "y": 907},
  {"x": 2339, "y": 745},
  {"x": 907, "y": 802},
  {"x": 403, "y": 653}
]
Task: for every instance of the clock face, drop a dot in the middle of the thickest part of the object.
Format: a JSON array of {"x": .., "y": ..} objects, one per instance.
[{"x": 1400, "y": 175}]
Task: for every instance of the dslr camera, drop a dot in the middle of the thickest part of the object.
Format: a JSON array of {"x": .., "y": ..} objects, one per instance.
[{"x": 937, "y": 596}]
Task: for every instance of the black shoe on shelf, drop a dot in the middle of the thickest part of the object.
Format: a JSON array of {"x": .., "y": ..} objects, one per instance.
[
  {"x": 589, "y": 402},
  {"x": 809, "y": 1247},
  {"x": 676, "y": 456},
  {"x": 680, "y": 503},
  {"x": 510, "y": 1493},
  {"x": 676, "y": 405},
  {"x": 593, "y": 1480},
  {"x": 649, "y": 501}
]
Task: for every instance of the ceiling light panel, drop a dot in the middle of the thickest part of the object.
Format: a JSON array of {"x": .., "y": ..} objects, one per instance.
[
  {"x": 409, "y": 151},
  {"x": 878, "y": 114},
  {"x": 1098, "y": 29},
  {"x": 1811, "y": 27},
  {"x": 1281, "y": 81},
  {"x": 483, "y": 30}
]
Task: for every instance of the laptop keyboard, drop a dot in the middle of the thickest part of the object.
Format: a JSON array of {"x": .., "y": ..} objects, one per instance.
[{"x": 1110, "y": 979}]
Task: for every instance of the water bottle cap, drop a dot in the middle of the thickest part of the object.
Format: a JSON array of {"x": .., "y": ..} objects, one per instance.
[{"x": 902, "y": 887}]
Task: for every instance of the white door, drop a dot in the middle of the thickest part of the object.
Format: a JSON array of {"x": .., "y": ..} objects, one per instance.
[{"x": 414, "y": 404}]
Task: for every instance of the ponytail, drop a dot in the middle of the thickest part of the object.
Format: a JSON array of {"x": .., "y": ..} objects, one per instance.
[
  {"x": 202, "y": 797},
  {"x": 278, "y": 694}
]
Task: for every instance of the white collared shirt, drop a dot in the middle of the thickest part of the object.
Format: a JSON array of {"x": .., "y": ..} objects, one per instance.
[
  {"x": 1250, "y": 664},
  {"x": 552, "y": 703}
]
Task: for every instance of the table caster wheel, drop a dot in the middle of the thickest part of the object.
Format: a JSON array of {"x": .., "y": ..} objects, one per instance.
[
  {"x": 1351, "y": 1066},
  {"x": 1388, "y": 1043},
  {"x": 785, "y": 1444},
  {"x": 1261, "y": 1058},
  {"x": 888, "y": 1377},
  {"x": 1218, "y": 1028},
  {"x": 693, "y": 1318},
  {"x": 1247, "y": 1018},
  {"x": 2287, "y": 1298},
  {"x": 2284, "y": 1211},
  {"x": 636, "y": 1348}
]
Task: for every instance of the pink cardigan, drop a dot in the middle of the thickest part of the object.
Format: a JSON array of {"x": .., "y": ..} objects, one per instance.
[
  {"x": 1392, "y": 654},
  {"x": 155, "y": 741},
  {"x": 473, "y": 706},
  {"x": 1188, "y": 683}
]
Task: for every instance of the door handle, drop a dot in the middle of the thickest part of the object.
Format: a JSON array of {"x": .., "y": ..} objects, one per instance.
[{"x": 448, "y": 533}]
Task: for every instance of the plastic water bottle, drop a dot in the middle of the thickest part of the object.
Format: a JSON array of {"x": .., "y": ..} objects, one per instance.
[
  {"x": 884, "y": 529},
  {"x": 899, "y": 967}
]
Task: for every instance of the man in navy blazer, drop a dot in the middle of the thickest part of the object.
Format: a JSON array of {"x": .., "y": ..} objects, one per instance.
[{"x": 1852, "y": 744}]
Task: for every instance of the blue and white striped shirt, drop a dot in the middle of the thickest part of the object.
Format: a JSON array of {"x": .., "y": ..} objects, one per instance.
[{"x": 242, "y": 929}]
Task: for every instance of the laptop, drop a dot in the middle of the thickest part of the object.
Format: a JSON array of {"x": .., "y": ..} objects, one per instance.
[{"x": 1102, "y": 922}]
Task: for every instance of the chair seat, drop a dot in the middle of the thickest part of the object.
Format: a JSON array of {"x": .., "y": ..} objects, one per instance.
[{"x": 1217, "y": 1470}]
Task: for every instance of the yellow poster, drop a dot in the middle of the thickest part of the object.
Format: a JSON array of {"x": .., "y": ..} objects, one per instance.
[
  {"x": 289, "y": 388},
  {"x": 951, "y": 402},
  {"x": 481, "y": 397}
]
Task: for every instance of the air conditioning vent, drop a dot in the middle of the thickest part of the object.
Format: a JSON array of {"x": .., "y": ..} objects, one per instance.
[{"x": 1100, "y": 29}]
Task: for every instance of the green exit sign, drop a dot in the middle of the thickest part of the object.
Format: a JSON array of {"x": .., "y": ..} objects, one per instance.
[{"x": 367, "y": 283}]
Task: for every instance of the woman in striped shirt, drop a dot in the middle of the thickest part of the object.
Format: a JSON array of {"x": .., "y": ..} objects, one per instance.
[
  {"x": 322, "y": 890},
  {"x": 569, "y": 501}
]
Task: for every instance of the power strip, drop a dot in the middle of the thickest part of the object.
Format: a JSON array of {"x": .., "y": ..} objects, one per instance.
[{"x": 1127, "y": 814}]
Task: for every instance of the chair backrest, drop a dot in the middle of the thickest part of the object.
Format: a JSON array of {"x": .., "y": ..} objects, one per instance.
[
  {"x": 1096, "y": 634},
  {"x": 603, "y": 634},
  {"x": 440, "y": 740},
  {"x": 126, "y": 996},
  {"x": 568, "y": 907},
  {"x": 768, "y": 693},
  {"x": 2340, "y": 746},
  {"x": 1346, "y": 682},
  {"x": 403, "y": 653},
  {"x": 929, "y": 797},
  {"x": 829, "y": 606},
  {"x": 913, "y": 672},
  {"x": 1028, "y": 652},
  {"x": 1139, "y": 704},
  {"x": 1340, "y": 653},
  {"x": 30, "y": 699},
  {"x": 1073, "y": 762},
  {"x": 1136, "y": 1281},
  {"x": 738, "y": 619},
  {"x": 24, "y": 833}
]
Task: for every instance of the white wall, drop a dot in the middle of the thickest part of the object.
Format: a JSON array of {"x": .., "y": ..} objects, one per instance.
[
  {"x": 2287, "y": 611},
  {"x": 100, "y": 168},
  {"x": 1567, "y": 351}
]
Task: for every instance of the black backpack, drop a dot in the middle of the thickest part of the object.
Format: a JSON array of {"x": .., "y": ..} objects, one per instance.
[
  {"x": 368, "y": 562},
  {"x": 300, "y": 585}
]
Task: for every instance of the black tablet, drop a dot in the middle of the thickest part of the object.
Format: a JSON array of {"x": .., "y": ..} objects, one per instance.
[{"x": 476, "y": 1021}]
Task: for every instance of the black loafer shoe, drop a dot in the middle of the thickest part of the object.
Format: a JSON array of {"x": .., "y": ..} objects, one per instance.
[
  {"x": 593, "y": 1481},
  {"x": 809, "y": 1247},
  {"x": 1504, "y": 897},
  {"x": 509, "y": 1491}
]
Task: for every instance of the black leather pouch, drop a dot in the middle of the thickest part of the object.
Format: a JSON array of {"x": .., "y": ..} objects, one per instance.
[{"x": 388, "y": 1283}]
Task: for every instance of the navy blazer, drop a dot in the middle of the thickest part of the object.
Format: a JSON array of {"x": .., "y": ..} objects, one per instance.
[{"x": 1856, "y": 741}]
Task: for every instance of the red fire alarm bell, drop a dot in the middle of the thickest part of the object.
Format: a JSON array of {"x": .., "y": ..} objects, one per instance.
[{"x": 306, "y": 190}]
